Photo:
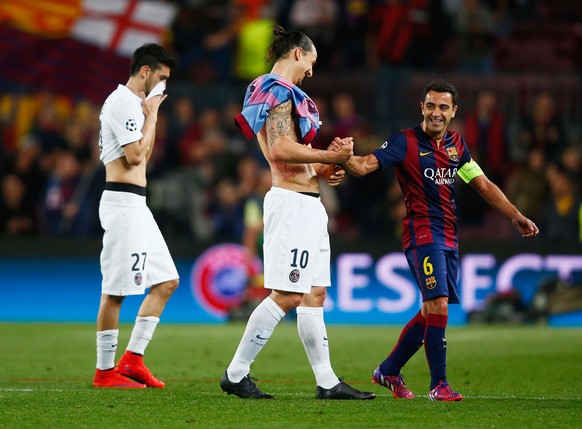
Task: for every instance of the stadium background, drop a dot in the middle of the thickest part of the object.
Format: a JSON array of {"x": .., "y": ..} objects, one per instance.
[{"x": 60, "y": 59}]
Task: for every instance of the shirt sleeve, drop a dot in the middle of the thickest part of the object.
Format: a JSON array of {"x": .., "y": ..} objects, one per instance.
[
  {"x": 126, "y": 123},
  {"x": 466, "y": 154},
  {"x": 259, "y": 99},
  {"x": 392, "y": 152},
  {"x": 469, "y": 169}
]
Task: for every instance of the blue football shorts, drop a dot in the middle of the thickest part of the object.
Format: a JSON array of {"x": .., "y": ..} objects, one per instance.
[{"x": 435, "y": 270}]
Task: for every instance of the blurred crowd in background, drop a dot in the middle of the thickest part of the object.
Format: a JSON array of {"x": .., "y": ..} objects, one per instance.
[{"x": 517, "y": 65}]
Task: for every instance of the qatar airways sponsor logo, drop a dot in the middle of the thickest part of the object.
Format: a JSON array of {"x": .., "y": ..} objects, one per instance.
[{"x": 441, "y": 176}]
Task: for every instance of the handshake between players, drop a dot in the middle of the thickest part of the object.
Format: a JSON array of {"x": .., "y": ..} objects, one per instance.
[{"x": 334, "y": 172}]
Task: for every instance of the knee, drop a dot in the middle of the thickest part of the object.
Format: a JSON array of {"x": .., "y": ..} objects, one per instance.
[
  {"x": 291, "y": 301},
  {"x": 437, "y": 306},
  {"x": 169, "y": 287},
  {"x": 316, "y": 298},
  {"x": 172, "y": 285},
  {"x": 111, "y": 300},
  {"x": 286, "y": 301}
]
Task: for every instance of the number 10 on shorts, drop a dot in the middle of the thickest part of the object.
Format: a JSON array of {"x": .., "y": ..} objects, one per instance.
[{"x": 301, "y": 258}]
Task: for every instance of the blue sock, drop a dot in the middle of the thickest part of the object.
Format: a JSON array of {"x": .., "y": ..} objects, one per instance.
[
  {"x": 410, "y": 341},
  {"x": 435, "y": 346}
]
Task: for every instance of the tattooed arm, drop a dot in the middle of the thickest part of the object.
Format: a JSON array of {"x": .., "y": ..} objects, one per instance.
[{"x": 283, "y": 147}]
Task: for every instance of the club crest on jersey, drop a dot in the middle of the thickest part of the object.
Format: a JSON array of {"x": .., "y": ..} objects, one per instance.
[
  {"x": 431, "y": 282},
  {"x": 137, "y": 279},
  {"x": 452, "y": 152},
  {"x": 294, "y": 275}
]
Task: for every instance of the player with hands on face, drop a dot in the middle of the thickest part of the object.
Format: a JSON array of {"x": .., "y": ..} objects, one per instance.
[{"x": 134, "y": 255}]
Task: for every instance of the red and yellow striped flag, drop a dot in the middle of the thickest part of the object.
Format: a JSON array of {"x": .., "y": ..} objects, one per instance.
[
  {"x": 47, "y": 18},
  {"x": 76, "y": 47}
]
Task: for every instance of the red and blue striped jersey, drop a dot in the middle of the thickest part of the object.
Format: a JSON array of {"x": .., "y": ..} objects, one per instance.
[{"x": 426, "y": 174}]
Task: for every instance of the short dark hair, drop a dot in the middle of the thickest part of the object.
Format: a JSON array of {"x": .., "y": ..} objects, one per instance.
[
  {"x": 285, "y": 41},
  {"x": 440, "y": 85},
  {"x": 152, "y": 55}
]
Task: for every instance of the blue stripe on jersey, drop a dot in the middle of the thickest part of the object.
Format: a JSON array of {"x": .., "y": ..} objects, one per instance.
[{"x": 426, "y": 174}]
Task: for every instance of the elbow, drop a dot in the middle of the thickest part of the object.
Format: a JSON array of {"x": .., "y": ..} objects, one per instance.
[
  {"x": 276, "y": 156},
  {"x": 479, "y": 188},
  {"x": 277, "y": 153},
  {"x": 134, "y": 160},
  {"x": 481, "y": 184},
  {"x": 134, "y": 154}
]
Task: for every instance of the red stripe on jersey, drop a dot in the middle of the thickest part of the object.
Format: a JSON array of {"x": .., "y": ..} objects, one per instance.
[
  {"x": 416, "y": 229},
  {"x": 446, "y": 196}
]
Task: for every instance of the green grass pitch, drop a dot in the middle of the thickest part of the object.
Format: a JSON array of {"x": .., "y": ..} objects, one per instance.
[{"x": 511, "y": 377}]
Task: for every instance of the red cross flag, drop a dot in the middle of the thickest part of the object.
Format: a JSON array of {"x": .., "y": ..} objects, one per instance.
[{"x": 122, "y": 25}]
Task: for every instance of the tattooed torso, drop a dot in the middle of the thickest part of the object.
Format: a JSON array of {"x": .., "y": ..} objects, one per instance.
[{"x": 293, "y": 176}]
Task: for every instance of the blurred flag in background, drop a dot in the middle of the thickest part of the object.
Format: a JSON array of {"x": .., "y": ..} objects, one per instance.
[{"x": 75, "y": 47}]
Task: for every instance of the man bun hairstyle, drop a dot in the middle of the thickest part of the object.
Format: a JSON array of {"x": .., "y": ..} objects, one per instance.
[
  {"x": 152, "y": 55},
  {"x": 285, "y": 41},
  {"x": 440, "y": 85}
]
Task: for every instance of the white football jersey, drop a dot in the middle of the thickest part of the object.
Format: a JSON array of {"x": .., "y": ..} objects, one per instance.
[{"x": 122, "y": 119}]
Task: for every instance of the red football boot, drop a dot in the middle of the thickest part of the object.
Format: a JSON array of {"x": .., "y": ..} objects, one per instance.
[
  {"x": 131, "y": 365},
  {"x": 110, "y": 378}
]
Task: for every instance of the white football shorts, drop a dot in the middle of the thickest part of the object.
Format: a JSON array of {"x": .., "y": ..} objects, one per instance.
[
  {"x": 135, "y": 255},
  {"x": 296, "y": 241}
]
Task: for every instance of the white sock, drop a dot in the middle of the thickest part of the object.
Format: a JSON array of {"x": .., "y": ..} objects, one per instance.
[
  {"x": 142, "y": 333},
  {"x": 106, "y": 348},
  {"x": 313, "y": 335},
  {"x": 260, "y": 326}
]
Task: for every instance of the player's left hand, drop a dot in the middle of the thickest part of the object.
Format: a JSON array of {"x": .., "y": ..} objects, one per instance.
[
  {"x": 525, "y": 226},
  {"x": 336, "y": 176}
]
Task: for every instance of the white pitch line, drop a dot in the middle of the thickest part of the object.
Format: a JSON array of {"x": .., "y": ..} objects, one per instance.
[
  {"x": 28, "y": 390},
  {"x": 532, "y": 398},
  {"x": 291, "y": 395},
  {"x": 37, "y": 390}
]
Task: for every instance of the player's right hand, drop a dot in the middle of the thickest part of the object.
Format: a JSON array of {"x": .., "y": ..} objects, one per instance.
[
  {"x": 152, "y": 105},
  {"x": 343, "y": 149}
]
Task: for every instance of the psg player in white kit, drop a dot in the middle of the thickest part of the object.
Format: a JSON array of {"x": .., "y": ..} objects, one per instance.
[
  {"x": 135, "y": 256},
  {"x": 284, "y": 121}
]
